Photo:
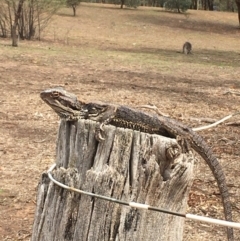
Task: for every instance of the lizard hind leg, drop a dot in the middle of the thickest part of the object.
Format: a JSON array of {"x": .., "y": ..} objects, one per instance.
[{"x": 184, "y": 144}]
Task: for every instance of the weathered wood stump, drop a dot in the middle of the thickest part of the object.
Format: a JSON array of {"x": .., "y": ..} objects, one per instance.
[{"x": 128, "y": 165}]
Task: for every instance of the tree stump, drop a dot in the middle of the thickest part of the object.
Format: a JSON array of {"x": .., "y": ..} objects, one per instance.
[{"x": 128, "y": 165}]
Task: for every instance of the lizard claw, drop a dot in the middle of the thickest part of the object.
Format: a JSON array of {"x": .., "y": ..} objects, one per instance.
[
  {"x": 99, "y": 137},
  {"x": 183, "y": 142},
  {"x": 173, "y": 151},
  {"x": 98, "y": 134},
  {"x": 101, "y": 126}
]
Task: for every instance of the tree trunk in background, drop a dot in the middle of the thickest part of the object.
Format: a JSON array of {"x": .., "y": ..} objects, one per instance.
[
  {"x": 74, "y": 10},
  {"x": 122, "y": 3},
  {"x": 194, "y": 4},
  {"x": 210, "y": 5},
  {"x": 15, "y": 24},
  {"x": 128, "y": 165},
  {"x": 238, "y": 6}
]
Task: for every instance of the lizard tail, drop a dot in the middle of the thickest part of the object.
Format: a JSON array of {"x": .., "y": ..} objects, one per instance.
[{"x": 206, "y": 153}]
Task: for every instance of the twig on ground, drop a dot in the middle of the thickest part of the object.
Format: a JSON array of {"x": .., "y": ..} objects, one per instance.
[
  {"x": 203, "y": 119},
  {"x": 235, "y": 123},
  {"x": 231, "y": 92},
  {"x": 215, "y": 123},
  {"x": 40, "y": 141},
  {"x": 153, "y": 107}
]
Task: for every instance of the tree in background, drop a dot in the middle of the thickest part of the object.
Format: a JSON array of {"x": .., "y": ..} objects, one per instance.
[
  {"x": 73, "y": 4},
  {"x": 179, "y": 5},
  {"x": 238, "y": 6},
  {"x": 28, "y": 19},
  {"x": 15, "y": 23},
  {"x": 207, "y": 5},
  {"x": 132, "y": 3}
]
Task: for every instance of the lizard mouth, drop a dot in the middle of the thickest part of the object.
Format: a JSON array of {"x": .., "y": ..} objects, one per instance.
[{"x": 66, "y": 112}]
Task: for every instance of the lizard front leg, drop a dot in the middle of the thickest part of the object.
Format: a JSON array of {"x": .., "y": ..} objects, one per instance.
[
  {"x": 102, "y": 113},
  {"x": 100, "y": 129}
]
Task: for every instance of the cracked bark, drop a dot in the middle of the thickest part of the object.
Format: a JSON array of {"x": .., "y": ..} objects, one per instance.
[{"x": 128, "y": 165}]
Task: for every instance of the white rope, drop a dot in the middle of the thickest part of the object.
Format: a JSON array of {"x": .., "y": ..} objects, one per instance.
[{"x": 144, "y": 206}]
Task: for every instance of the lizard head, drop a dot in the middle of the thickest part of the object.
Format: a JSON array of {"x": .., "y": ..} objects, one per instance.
[{"x": 65, "y": 104}]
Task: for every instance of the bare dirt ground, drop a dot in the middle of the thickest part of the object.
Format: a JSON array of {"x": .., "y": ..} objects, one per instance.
[{"x": 128, "y": 57}]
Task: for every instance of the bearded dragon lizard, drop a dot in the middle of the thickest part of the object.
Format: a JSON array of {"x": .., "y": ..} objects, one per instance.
[{"x": 68, "y": 107}]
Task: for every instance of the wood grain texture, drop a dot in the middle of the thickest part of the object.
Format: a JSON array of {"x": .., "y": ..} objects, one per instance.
[{"x": 128, "y": 165}]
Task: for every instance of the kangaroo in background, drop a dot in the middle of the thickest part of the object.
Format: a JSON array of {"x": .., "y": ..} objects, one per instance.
[{"x": 187, "y": 48}]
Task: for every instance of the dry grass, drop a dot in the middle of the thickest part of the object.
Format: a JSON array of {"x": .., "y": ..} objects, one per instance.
[{"x": 128, "y": 57}]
